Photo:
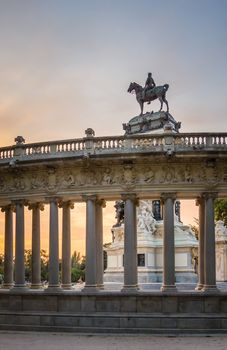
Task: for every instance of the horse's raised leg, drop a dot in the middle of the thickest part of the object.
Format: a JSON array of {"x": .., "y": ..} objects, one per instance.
[
  {"x": 167, "y": 105},
  {"x": 161, "y": 101}
]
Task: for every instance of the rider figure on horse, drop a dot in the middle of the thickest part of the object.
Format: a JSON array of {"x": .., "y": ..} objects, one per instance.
[{"x": 149, "y": 84}]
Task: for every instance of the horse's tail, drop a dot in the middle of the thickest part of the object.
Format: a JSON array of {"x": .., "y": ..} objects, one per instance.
[{"x": 166, "y": 86}]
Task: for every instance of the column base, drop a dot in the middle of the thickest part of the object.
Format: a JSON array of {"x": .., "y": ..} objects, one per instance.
[
  {"x": 100, "y": 286},
  {"x": 210, "y": 289},
  {"x": 7, "y": 285},
  {"x": 199, "y": 287},
  {"x": 53, "y": 288},
  {"x": 66, "y": 286},
  {"x": 130, "y": 288},
  {"x": 22, "y": 288},
  {"x": 36, "y": 286},
  {"x": 169, "y": 288},
  {"x": 90, "y": 289}
]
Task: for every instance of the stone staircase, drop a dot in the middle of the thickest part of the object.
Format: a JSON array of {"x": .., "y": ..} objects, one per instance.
[{"x": 153, "y": 323}]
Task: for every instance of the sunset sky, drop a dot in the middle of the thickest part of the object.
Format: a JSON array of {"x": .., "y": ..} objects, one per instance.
[{"x": 65, "y": 65}]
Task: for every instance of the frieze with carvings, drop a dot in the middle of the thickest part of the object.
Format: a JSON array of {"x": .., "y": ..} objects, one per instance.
[{"x": 125, "y": 176}]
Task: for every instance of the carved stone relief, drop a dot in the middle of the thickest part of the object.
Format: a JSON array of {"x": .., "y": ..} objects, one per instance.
[{"x": 127, "y": 176}]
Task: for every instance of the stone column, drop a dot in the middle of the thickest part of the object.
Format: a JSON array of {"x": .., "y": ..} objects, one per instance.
[
  {"x": 66, "y": 244},
  {"x": 53, "y": 246},
  {"x": 209, "y": 244},
  {"x": 19, "y": 246},
  {"x": 168, "y": 283},
  {"x": 100, "y": 204},
  {"x": 36, "y": 259},
  {"x": 8, "y": 250},
  {"x": 130, "y": 243},
  {"x": 201, "y": 203},
  {"x": 91, "y": 244}
]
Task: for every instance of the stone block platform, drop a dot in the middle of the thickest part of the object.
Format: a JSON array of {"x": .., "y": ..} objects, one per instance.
[{"x": 141, "y": 312}]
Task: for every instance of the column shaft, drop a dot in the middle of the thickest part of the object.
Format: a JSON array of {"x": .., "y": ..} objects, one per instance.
[
  {"x": 168, "y": 244},
  {"x": 36, "y": 259},
  {"x": 66, "y": 245},
  {"x": 19, "y": 246},
  {"x": 91, "y": 245},
  {"x": 54, "y": 246},
  {"x": 201, "y": 203},
  {"x": 99, "y": 242},
  {"x": 8, "y": 250},
  {"x": 130, "y": 244},
  {"x": 209, "y": 245}
]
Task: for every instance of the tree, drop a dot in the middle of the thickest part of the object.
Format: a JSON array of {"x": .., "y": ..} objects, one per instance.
[
  {"x": 195, "y": 228},
  {"x": 28, "y": 265},
  {"x": 220, "y": 210},
  {"x": 78, "y": 267},
  {"x": 44, "y": 265}
]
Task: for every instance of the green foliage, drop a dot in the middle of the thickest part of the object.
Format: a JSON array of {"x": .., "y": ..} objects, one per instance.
[
  {"x": 44, "y": 265},
  {"x": 28, "y": 265},
  {"x": 75, "y": 274},
  {"x": 195, "y": 228},
  {"x": 78, "y": 267},
  {"x": 220, "y": 210}
]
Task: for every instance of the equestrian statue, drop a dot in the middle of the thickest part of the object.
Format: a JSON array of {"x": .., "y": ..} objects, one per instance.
[{"x": 149, "y": 93}]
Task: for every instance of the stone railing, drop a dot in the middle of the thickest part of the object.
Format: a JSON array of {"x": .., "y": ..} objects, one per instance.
[{"x": 90, "y": 145}]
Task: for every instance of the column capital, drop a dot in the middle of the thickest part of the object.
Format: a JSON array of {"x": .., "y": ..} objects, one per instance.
[
  {"x": 91, "y": 197},
  {"x": 19, "y": 202},
  {"x": 208, "y": 195},
  {"x": 168, "y": 195},
  {"x": 8, "y": 207},
  {"x": 101, "y": 202},
  {"x": 132, "y": 196},
  {"x": 199, "y": 200},
  {"x": 37, "y": 205},
  {"x": 66, "y": 204}
]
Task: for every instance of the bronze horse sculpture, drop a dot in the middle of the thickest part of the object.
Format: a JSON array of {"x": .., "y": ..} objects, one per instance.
[{"x": 148, "y": 95}]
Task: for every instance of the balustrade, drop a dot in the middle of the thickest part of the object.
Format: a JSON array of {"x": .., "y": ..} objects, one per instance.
[{"x": 182, "y": 141}]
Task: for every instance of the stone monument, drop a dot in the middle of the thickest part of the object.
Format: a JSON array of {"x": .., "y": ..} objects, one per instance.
[
  {"x": 149, "y": 212},
  {"x": 151, "y": 121},
  {"x": 149, "y": 247}
]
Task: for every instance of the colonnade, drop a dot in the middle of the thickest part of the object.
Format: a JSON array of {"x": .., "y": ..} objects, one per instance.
[{"x": 15, "y": 278}]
